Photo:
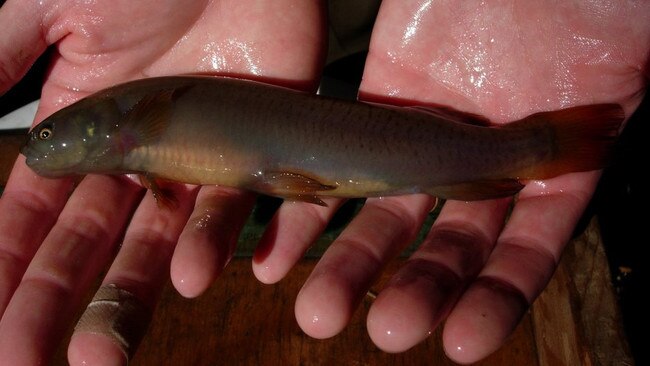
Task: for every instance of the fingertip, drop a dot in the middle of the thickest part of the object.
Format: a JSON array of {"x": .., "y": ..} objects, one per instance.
[
  {"x": 461, "y": 345},
  {"x": 321, "y": 313},
  {"x": 94, "y": 349},
  {"x": 190, "y": 281},
  {"x": 412, "y": 305},
  {"x": 294, "y": 227},
  {"x": 482, "y": 320},
  {"x": 187, "y": 287},
  {"x": 395, "y": 324},
  {"x": 265, "y": 273},
  {"x": 208, "y": 240},
  {"x": 469, "y": 340},
  {"x": 317, "y": 323},
  {"x": 196, "y": 263}
]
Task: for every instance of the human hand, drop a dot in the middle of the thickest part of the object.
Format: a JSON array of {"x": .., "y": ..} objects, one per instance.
[
  {"x": 504, "y": 60},
  {"x": 55, "y": 241}
]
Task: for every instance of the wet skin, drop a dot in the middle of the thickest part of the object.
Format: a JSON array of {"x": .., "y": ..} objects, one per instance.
[{"x": 474, "y": 270}]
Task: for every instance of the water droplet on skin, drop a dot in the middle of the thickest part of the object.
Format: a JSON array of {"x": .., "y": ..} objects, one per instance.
[
  {"x": 540, "y": 184},
  {"x": 203, "y": 222},
  {"x": 544, "y": 189},
  {"x": 414, "y": 24},
  {"x": 231, "y": 55}
]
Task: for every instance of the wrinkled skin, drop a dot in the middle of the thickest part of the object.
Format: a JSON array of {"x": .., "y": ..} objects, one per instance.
[{"x": 498, "y": 59}]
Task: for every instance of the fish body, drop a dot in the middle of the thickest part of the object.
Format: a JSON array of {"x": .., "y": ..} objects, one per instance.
[{"x": 225, "y": 131}]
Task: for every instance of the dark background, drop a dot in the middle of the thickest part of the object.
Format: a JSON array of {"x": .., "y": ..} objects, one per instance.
[{"x": 620, "y": 202}]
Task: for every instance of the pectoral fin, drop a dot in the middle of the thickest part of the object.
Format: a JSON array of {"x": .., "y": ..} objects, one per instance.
[
  {"x": 291, "y": 186},
  {"x": 307, "y": 198},
  {"x": 164, "y": 198},
  {"x": 147, "y": 120},
  {"x": 478, "y": 190}
]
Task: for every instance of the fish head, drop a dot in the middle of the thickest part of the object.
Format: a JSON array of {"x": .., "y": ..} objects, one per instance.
[{"x": 78, "y": 139}]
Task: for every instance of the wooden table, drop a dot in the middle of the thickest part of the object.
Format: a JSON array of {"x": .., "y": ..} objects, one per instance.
[{"x": 241, "y": 321}]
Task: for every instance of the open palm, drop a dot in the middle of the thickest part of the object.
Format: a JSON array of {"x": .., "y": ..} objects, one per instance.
[
  {"x": 505, "y": 60},
  {"x": 495, "y": 58},
  {"x": 53, "y": 244}
]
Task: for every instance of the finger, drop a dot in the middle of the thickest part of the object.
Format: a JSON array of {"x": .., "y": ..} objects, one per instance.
[
  {"x": 34, "y": 204},
  {"x": 29, "y": 208},
  {"x": 21, "y": 43},
  {"x": 140, "y": 270},
  {"x": 208, "y": 240},
  {"x": 345, "y": 272},
  {"x": 72, "y": 254},
  {"x": 423, "y": 291},
  {"x": 292, "y": 230},
  {"x": 520, "y": 266}
]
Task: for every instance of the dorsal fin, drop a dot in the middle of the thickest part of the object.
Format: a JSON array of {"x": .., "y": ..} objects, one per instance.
[{"x": 451, "y": 114}]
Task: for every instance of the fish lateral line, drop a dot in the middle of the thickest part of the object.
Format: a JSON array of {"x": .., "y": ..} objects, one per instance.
[{"x": 425, "y": 149}]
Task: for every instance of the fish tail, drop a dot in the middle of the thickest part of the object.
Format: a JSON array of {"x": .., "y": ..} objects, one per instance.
[{"x": 583, "y": 138}]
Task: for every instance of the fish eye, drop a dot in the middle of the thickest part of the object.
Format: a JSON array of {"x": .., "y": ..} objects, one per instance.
[{"x": 45, "y": 133}]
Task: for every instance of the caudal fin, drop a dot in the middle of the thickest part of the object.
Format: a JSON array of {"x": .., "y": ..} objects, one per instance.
[{"x": 584, "y": 138}]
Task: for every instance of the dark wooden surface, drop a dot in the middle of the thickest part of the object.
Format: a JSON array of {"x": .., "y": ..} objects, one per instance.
[
  {"x": 10, "y": 143},
  {"x": 241, "y": 321}
]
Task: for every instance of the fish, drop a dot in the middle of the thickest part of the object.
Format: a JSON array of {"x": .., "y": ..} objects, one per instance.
[{"x": 208, "y": 130}]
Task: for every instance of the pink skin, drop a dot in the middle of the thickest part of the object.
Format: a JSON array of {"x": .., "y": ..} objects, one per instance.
[
  {"x": 501, "y": 60},
  {"x": 504, "y": 60},
  {"x": 100, "y": 44}
]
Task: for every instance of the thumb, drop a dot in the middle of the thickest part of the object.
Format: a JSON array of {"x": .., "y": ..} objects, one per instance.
[{"x": 22, "y": 40}]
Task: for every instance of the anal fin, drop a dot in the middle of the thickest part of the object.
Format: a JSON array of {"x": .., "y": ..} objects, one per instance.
[
  {"x": 477, "y": 190},
  {"x": 291, "y": 186}
]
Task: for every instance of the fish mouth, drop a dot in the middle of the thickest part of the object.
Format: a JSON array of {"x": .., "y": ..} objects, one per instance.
[
  {"x": 37, "y": 161},
  {"x": 26, "y": 150},
  {"x": 26, "y": 145},
  {"x": 29, "y": 152}
]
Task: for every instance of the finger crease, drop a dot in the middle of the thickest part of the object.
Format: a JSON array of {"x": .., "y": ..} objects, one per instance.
[
  {"x": 399, "y": 213},
  {"x": 436, "y": 272},
  {"x": 40, "y": 281},
  {"x": 31, "y": 202},
  {"x": 16, "y": 259},
  {"x": 530, "y": 248},
  {"x": 504, "y": 287},
  {"x": 360, "y": 247}
]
